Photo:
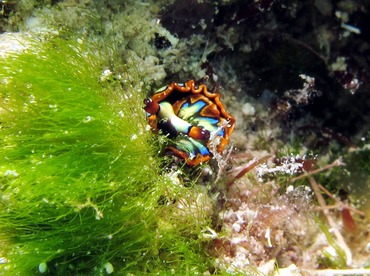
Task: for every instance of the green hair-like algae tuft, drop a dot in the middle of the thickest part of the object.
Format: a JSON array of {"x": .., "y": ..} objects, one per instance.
[{"x": 79, "y": 194}]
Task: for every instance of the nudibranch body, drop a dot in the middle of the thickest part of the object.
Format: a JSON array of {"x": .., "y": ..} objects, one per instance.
[{"x": 193, "y": 117}]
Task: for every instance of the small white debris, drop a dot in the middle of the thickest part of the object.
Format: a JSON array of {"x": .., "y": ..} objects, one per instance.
[
  {"x": 340, "y": 64},
  {"x": 32, "y": 98},
  {"x": 350, "y": 28},
  {"x": 289, "y": 189},
  {"x": 133, "y": 137},
  {"x": 53, "y": 106},
  {"x": 211, "y": 234},
  {"x": 290, "y": 165},
  {"x": 43, "y": 267},
  {"x": 268, "y": 237},
  {"x": 88, "y": 119},
  {"x": 248, "y": 109},
  {"x": 367, "y": 248},
  {"x": 237, "y": 240},
  {"x": 332, "y": 251},
  {"x": 291, "y": 270},
  {"x": 99, "y": 215},
  {"x": 268, "y": 268},
  {"x": 108, "y": 267},
  {"x": 342, "y": 16},
  {"x": 105, "y": 75},
  {"x": 10, "y": 173},
  {"x": 236, "y": 227}
]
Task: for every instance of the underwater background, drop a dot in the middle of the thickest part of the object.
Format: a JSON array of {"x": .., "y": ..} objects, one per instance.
[{"x": 86, "y": 188}]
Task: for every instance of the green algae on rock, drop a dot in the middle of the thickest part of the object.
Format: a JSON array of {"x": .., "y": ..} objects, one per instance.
[{"x": 79, "y": 190}]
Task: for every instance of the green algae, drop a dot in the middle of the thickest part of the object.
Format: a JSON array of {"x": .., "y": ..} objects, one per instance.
[{"x": 80, "y": 187}]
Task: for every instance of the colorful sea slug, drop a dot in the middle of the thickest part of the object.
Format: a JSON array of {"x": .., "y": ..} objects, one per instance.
[{"x": 194, "y": 118}]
